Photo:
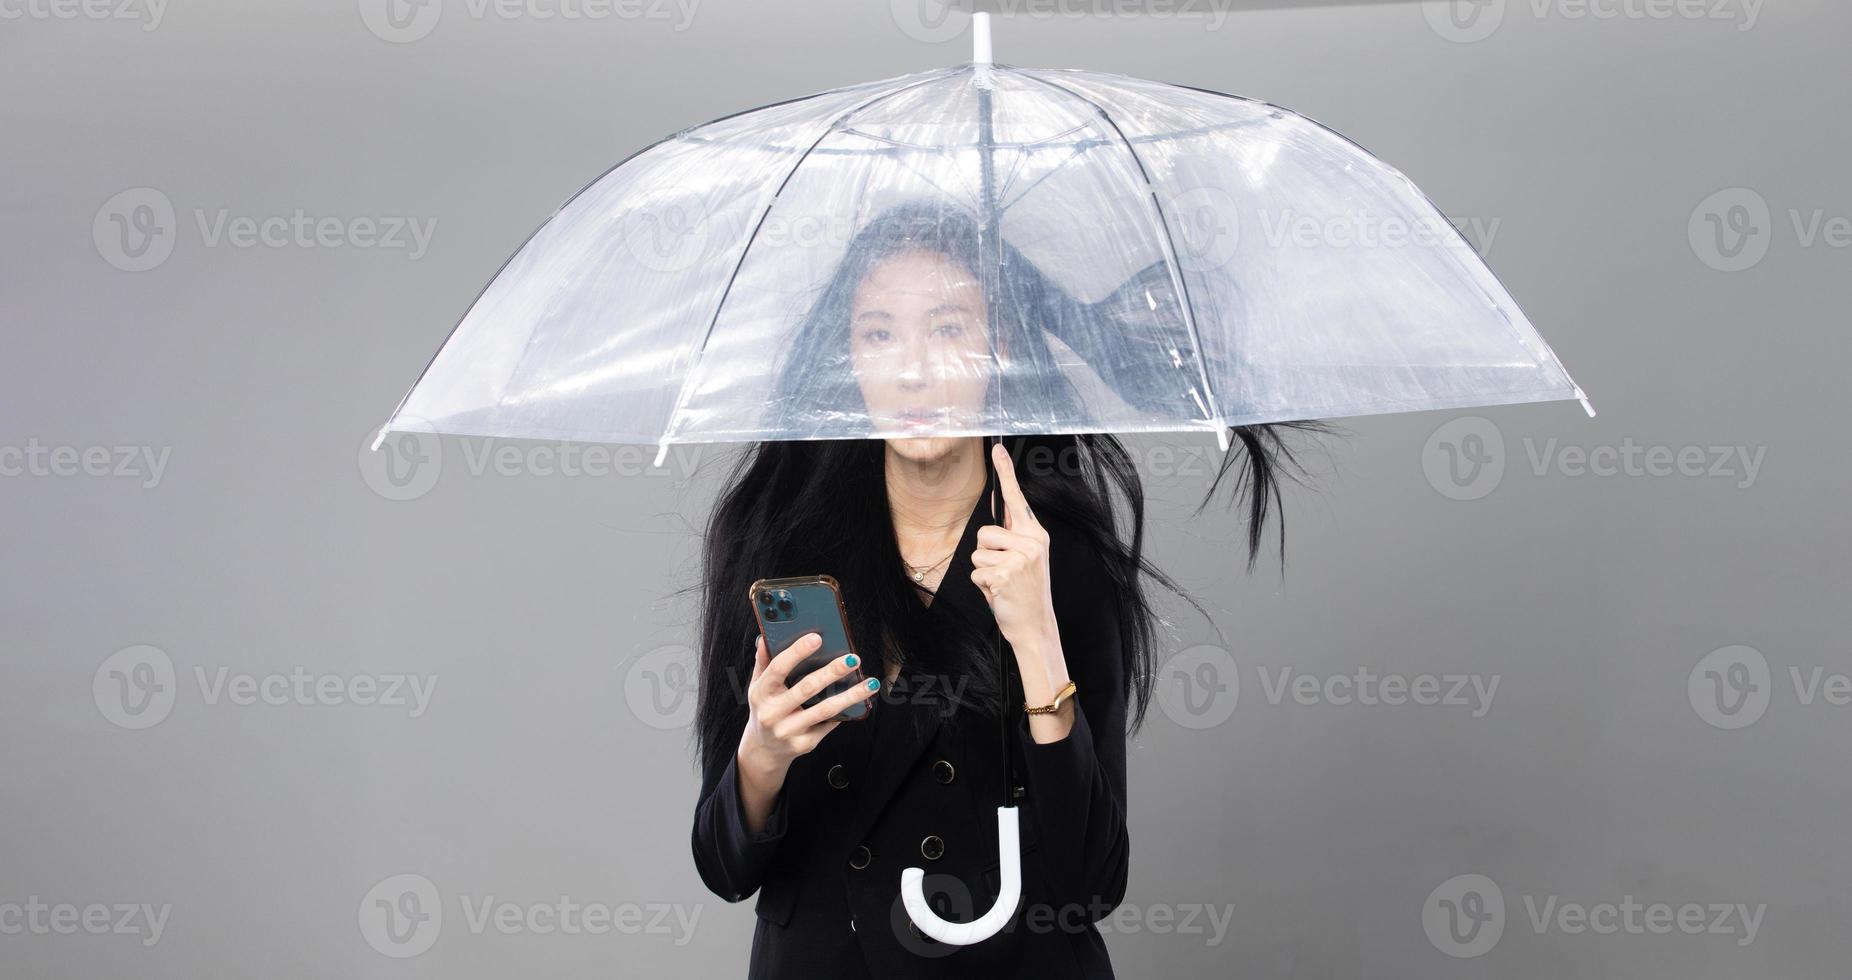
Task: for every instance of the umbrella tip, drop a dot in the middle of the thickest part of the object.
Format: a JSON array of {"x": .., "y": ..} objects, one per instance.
[
  {"x": 980, "y": 38},
  {"x": 1586, "y": 407},
  {"x": 379, "y": 437},
  {"x": 662, "y": 452}
]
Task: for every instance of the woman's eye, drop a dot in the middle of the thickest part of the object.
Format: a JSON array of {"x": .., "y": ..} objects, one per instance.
[
  {"x": 876, "y": 335},
  {"x": 949, "y": 329}
]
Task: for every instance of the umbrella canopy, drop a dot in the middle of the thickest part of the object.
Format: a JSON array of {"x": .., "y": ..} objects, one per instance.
[{"x": 1152, "y": 257}]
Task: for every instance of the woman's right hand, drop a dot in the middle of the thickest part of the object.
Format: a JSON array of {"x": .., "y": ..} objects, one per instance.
[{"x": 778, "y": 726}]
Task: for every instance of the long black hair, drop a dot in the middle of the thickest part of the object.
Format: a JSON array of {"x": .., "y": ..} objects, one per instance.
[{"x": 820, "y": 505}]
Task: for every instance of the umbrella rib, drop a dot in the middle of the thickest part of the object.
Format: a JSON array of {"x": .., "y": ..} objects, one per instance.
[
  {"x": 694, "y": 366},
  {"x": 1170, "y": 253}
]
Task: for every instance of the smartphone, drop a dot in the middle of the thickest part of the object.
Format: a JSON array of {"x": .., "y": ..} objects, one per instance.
[{"x": 789, "y": 608}]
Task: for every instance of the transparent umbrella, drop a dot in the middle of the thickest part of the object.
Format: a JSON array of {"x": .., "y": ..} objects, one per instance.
[{"x": 1089, "y": 252}]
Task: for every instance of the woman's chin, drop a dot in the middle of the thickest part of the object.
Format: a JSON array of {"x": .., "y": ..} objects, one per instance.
[{"x": 923, "y": 449}]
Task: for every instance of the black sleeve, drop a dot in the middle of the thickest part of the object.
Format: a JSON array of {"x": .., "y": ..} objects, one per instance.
[
  {"x": 1076, "y": 786},
  {"x": 730, "y": 858}
]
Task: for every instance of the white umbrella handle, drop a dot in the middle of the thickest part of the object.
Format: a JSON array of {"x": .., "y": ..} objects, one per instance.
[{"x": 1009, "y": 857}]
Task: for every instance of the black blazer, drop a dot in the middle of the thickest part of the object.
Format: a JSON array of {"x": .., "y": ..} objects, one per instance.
[{"x": 897, "y": 790}]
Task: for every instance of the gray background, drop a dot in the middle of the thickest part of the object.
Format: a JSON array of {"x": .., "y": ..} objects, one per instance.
[{"x": 552, "y": 760}]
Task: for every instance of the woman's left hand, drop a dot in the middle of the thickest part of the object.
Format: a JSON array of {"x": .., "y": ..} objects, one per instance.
[{"x": 1010, "y": 566}]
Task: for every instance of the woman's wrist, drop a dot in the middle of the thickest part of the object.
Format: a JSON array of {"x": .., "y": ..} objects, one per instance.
[
  {"x": 1042, "y": 665},
  {"x": 759, "y": 783}
]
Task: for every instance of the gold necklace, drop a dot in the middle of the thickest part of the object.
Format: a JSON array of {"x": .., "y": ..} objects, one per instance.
[{"x": 920, "y": 571}]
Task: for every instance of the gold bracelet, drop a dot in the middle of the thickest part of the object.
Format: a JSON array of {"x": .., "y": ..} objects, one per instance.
[{"x": 1052, "y": 706}]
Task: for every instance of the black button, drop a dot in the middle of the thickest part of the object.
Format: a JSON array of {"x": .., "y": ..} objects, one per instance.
[
  {"x": 943, "y": 771},
  {"x": 859, "y": 858},
  {"x": 838, "y": 777},
  {"x": 932, "y": 848}
]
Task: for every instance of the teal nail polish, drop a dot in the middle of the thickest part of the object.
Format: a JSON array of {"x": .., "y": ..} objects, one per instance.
[
  {"x": 850, "y": 660},
  {"x": 874, "y": 683}
]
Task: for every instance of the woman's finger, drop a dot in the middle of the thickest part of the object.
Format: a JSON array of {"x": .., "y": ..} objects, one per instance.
[
  {"x": 1015, "y": 506},
  {"x": 819, "y": 679},
  {"x": 988, "y": 557},
  {"x": 993, "y": 538},
  {"x": 759, "y": 658},
  {"x": 834, "y": 705},
  {"x": 788, "y": 658}
]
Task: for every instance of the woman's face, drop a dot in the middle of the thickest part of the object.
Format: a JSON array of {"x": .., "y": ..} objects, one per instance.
[{"x": 919, "y": 342}]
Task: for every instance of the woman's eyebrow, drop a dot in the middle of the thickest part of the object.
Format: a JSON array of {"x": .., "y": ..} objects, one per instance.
[
  {"x": 883, "y": 314},
  {"x": 947, "y": 308}
]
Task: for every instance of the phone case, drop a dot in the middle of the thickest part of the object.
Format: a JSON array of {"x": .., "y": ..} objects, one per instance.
[{"x": 789, "y": 608}]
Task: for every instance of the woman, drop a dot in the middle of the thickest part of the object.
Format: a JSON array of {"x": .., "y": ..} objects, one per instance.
[{"x": 820, "y": 822}]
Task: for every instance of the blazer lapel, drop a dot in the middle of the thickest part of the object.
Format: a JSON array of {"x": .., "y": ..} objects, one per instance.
[{"x": 904, "y": 734}]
